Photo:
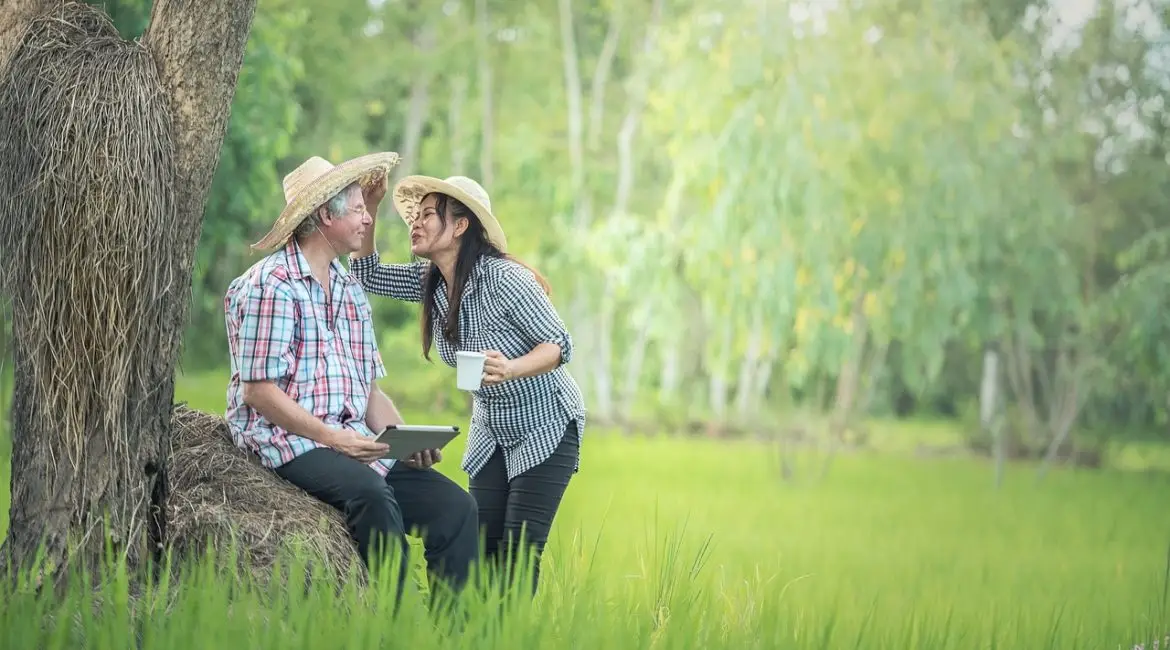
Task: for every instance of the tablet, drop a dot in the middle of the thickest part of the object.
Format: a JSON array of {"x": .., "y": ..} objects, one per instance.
[{"x": 405, "y": 440}]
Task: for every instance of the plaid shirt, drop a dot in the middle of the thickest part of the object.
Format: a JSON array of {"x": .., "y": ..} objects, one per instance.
[
  {"x": 324, "y": 356},
  {"x": 503, "y": 308}
]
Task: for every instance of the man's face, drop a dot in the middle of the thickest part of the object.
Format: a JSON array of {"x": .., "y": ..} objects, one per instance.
[{"x": 345, "y": 230}]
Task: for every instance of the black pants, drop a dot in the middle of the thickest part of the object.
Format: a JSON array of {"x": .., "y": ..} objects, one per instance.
[
  {"x": 378, "y": 511},
  {"x": 530, "y": 501}
]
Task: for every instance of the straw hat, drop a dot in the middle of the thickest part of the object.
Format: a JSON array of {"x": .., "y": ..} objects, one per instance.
[
  {"x": 315, "y": 181},
  {"x": 409, "y": 193}
]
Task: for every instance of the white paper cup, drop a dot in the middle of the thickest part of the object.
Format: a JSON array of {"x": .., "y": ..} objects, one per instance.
[{"x": 469, "y": 370}]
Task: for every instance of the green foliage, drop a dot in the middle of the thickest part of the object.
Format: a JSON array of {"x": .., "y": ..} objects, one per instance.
[
  {"x": 891, "y": 187},
  {"x": 1135, "y": 315},
  {"x": 415, "y": 383},
  {"x": 130, "y": 16}
]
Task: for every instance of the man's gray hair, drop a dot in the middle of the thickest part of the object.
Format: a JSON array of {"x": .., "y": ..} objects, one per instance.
[{"x": 337, "y": 205}]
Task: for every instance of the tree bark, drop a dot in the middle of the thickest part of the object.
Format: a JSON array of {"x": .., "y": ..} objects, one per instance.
[
  {"x": 199, "y": 49},
  {"x": 116, "y": 482},
  {"x": 14, "y": 16}
]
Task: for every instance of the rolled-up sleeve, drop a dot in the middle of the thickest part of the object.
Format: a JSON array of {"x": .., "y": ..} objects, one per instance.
[
  {"x": 533, "y": 314},
  {"x": 399, "y": 281},
  {"x": 267, "y": 318}
]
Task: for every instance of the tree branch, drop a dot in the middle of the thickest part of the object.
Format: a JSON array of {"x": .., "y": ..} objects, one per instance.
[{"x": 199, "y": 48}]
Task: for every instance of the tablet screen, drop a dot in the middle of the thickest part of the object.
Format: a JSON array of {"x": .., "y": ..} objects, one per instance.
[{"x": 407, "y": 439}]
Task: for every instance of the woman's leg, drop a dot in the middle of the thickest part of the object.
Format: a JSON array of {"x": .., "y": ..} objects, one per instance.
[
  {"x": 490, "y": 489},
  {"x": 533, "y": 500}
]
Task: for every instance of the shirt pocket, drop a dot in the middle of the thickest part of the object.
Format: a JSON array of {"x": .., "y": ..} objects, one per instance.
[
  {"x": 355, "y": 338},
  {"x": 308, "y": 364}
]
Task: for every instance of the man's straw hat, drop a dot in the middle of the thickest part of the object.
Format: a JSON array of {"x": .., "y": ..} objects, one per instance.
[
  {"x": 409, "y": 193},
  {"x": 314, "y": 182}
]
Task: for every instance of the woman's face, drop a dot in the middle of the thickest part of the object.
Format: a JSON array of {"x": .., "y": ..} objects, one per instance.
[{"x": 429, "y": 236}]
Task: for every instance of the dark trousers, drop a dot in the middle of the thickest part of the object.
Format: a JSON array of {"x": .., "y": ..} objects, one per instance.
[
  {"x": 379, "y": 512},
  {"x": 529, "y": 502}
]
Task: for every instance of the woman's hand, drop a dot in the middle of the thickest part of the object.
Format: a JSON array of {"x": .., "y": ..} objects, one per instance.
[
  {"x": 496, "y": 368},
  {"x": 373, "y": 195}
]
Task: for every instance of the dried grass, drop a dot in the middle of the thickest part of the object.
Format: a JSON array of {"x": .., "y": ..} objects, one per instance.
[
  {"x": 87, "y": 177},
  {"x": 221, "y": 495}
]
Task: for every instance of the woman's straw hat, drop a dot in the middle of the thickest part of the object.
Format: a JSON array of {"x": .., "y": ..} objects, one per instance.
[
  {"x": 409, "y": 193},
  {"x": 314, "y": 182}
]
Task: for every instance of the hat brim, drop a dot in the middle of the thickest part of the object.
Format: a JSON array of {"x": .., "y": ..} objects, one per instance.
[
  {"x": 366, "y": 170},
  {"x": 409, "y": 192}
]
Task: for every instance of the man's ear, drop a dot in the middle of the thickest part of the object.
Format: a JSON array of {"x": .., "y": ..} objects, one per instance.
[{"x": 323, "y": 216}]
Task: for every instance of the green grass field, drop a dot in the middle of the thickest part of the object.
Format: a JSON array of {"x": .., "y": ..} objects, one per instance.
[{"x": 673, "y": 543}]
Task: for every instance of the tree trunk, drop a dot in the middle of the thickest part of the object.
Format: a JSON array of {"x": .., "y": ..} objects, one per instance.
[
  {"x": 1064, "y": 405},
  {"x": 5, "y": 368},
  {"x": 73, "y": 485},
  {"x": 487, "y": 131},
  {"x": 455, "y": 126},
  {"x": 603, "y": 359},
  {"x": 763, "y": 380},
  {"x": 668, "y": 380},
  {"x": 417, "y": 106},
  {"x": 717, "y": 386},
  {"x": 989, "y": 412},
  {"x": 672, "y": 338},
  {"x": 601, "y": 78},
  {"x": 635, "y": 103},
  {"x": 579, "y": 320},
  {"x": 748, "y": 368},
  {"x": 849, "y": 380},
  {"x": 635, "y": 359}
]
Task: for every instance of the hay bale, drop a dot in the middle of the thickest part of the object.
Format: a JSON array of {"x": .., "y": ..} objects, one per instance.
[{"x": 220, "y": 495}]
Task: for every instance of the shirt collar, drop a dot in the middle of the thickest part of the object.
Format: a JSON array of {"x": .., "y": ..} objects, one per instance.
[{"x": 298, "y": 264}]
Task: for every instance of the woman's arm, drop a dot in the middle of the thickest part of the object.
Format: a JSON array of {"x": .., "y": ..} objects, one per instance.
[
  {"x": 534, "y": 316},
  {"x": 399, "y": 281},
  {"x": 543, "y": 358}
]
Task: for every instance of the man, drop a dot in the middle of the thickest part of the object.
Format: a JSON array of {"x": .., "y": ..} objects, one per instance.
[{"x": 305, "y": 358}]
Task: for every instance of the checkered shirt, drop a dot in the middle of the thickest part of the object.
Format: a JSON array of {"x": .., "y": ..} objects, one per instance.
[
  {"x": 505, "y": 309},
  {"x": 324, "y": 356}
]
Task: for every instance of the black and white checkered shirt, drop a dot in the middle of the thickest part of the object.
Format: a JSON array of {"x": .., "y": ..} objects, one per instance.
[{"x": 504, "y": 309}]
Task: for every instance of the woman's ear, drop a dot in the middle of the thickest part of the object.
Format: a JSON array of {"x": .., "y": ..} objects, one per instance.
[{"x": 460, "y": 226}]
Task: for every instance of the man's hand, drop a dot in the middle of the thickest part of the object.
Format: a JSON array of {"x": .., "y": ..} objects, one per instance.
[
  {"x": 496, "y": 368},
  {"x": 424, "y": 459},
  {"x": 357, "y": 446}
]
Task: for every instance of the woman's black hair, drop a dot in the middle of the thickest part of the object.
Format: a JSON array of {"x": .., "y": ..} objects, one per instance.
[{"x": 473, "y": 245}]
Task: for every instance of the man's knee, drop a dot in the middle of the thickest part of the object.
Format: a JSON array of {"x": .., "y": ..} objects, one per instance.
[
  {"x": 373, "y": 502},
  {"x": 457, "y": 518}
]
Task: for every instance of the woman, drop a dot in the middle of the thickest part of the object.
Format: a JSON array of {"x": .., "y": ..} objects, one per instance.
[{"x": 528, "y": 416}]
